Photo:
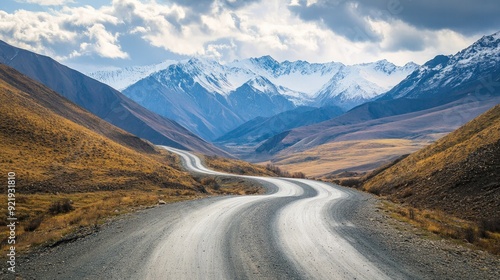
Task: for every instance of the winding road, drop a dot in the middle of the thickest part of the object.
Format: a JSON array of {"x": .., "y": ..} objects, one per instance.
[
  {"x": 301, "y": 229},
  {"x": 298, "y": 230}
]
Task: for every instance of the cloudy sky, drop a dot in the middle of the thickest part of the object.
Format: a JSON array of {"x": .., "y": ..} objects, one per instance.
[{"x": 104, "y": 33}]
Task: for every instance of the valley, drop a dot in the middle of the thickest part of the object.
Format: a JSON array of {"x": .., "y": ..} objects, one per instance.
[
  {"x": 76, "y": 171},
  {"x": 231, "y": 160},
  {"x": 260, "y": 237}
]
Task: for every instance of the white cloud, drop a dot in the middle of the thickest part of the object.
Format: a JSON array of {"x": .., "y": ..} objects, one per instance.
[
  {"x": 103, "y": 43},
  {"x": 403, "y": 42},
  {"x": 59, "y": 33},
  {"x": 33, "y": 30},
  {"x": 254, "y": 29}
]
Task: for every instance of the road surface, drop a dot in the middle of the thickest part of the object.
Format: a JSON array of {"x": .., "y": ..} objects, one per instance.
[
  {"x": 303, "y": 233},
  {"x": 298, "y": 230}
]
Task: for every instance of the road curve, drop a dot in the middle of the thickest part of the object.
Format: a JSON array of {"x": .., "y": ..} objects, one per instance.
[
  {"x": 304, "y": 234},
  {"x": 299, "y": 230}
]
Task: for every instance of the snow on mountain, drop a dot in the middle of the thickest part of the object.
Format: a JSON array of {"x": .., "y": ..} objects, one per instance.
[
  {"x": 121, "y": 78},
  {"x": 299, "y": 76},
  {"x": 217, "y": 97},
  {"x": 354, "y": 85},
  {"x": 384, "y": 74},
  {"x": 301, "y": 82},
  {"x": 263, "y": 85},
  {"x": 445, "y": 73}
]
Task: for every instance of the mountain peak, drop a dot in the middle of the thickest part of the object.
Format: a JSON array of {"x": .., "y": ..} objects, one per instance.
[
  {"x": 437, "y": 60},
  {"x": 411, "y": 65},
  {"x": 452, "y": 74},
  {"x": 493, "y": 38},
  {"x": 262, "y": 84},
  {"x": 267, "y": 62},
  {"x": 385, "y": 66}
]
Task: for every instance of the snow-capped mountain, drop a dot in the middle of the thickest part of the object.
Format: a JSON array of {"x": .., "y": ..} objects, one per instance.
[
  {"x": 123, "y": 77},
  {"x": 258, "y": 97},
  {"x": 357, "y": 84},
  {"x": 298, "y": 79},
  {"x": 245, "y": 89},
  {"x": 453, "y": 73}
]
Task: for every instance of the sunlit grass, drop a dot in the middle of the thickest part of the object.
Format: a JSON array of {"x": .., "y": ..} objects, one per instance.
[
  {"x": 236, "y": 166},
  {"x": 446, "y": 226}
]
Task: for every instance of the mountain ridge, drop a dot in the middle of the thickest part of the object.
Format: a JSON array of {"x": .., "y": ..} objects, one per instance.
[
  {"x": 102, "y": 100},
  {"x": 265, "y": 86},
  {"x": 261, "y": 128}
]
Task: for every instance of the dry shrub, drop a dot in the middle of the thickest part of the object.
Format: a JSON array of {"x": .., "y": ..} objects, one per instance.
[
  {"x": 33, "y": 224},
  {"x": 351, "y": 182},
  {"x": 299, "y": 175},
  {"x": 61, "y": 206},
  {"x": 470, "y": 234},
  {"x": 411, "y": 213},
  {"x": 375, "y": 191}
]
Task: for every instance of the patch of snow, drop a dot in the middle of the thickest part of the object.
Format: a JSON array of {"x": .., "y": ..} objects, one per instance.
[{"x": 122, "y": 78}]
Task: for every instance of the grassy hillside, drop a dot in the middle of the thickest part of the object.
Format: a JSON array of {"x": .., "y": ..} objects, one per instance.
[
  {"x": 74, "y": 170},
  {"x": 54, "y": 154},
  {"x": 459, "y": 175}
]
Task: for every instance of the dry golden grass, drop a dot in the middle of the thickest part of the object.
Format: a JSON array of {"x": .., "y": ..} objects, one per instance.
[
  {"x": 444, "y": 225},
  {"x": 358, "y": 155},
  {"x": 53, "y": 154},
  {"x": 458, "y": 174},
  {"x": 236, "y": 166}
]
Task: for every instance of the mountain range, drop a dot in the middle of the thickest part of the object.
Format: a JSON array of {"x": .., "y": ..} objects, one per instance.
[
  {"x": 476, "y": 66},
  {"x": 437, "y": 98},
  {"x": 102, "y": 100},
  {"x": 211, "y": 99},
  {"x": 260, "y": 109}
]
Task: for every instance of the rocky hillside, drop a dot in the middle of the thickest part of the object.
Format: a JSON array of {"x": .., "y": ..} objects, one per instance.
[{"x": 459, "y": 174}]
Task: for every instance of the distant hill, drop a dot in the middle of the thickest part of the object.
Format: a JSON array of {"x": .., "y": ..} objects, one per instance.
[
  {"x": 262, "y": 128},
  {"x": 459, "y": 174},
  {"x": 103, "y": 101},
  {"x": 388, "y": 119},
  {"x": 56, "y": 146}
]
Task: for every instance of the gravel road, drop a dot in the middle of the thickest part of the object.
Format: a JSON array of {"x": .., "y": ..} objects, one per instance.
[{"x": 300, "y": 229}]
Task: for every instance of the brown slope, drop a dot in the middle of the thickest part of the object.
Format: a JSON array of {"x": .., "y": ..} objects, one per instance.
[
  {"x": 396, "y": 119},
  {"x": 52, "y": 146},
  {"x": 459, "y": 174},
  {"x": 103, "y": 101},
  {"x": 350, "y": 147}
]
